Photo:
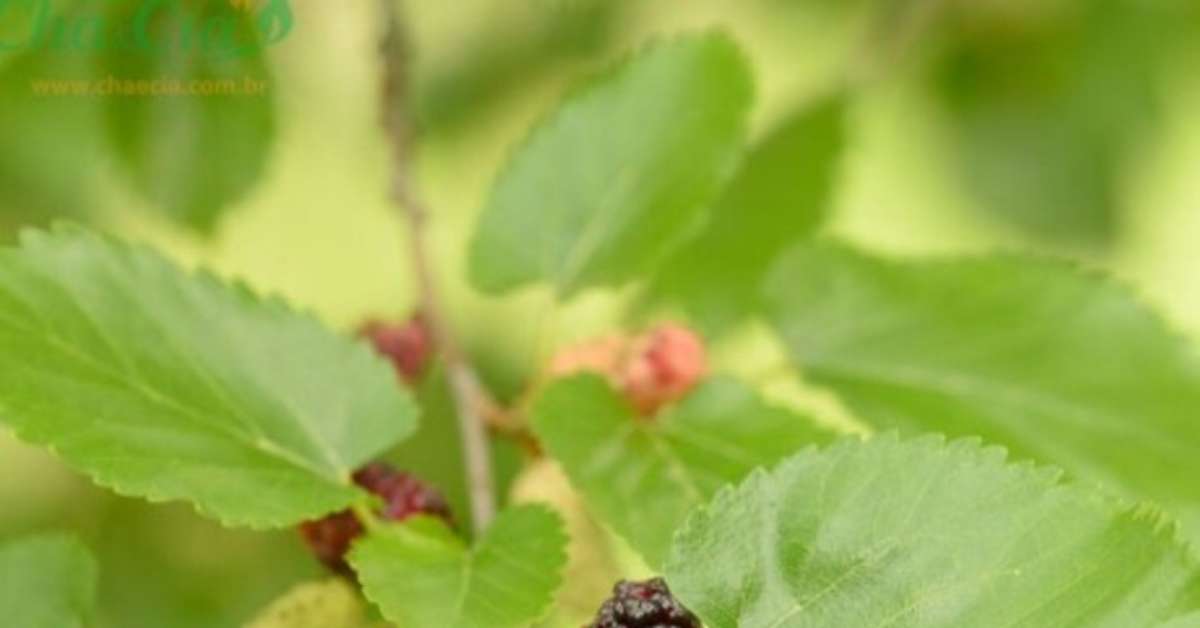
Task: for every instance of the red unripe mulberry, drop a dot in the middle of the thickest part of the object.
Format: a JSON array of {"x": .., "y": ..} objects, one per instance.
[
  {"x": 403, "y": 496},
  {"x": 408, "y": 346}
]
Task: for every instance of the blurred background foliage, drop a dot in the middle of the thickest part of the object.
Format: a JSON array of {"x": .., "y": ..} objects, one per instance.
[{"x": 1065, "y": 126}]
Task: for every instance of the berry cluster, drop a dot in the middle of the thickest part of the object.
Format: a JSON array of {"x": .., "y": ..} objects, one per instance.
[
  {"x": 646, "y": 604},
  {"x": 652, "y": 370},
  {"x": 403, "y": 496},
  {"x": 409, "y": 347}
]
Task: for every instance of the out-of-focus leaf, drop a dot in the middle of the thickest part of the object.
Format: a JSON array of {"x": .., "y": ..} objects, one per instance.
[
  {"x": 329, "y": 603},
  {"x": 502, "y": 58},
  {"x": 643, "y": 477},
  {"x": 162, "y": 564},
  {"x": 165, "y": 566},
  {"x": 47, "y": 582},
  {"x": 51, "y": 141},
  {"x": 1049, "y": 99},
  {"x": 780, "y": 194},
  {"x": 167, "y": 385},
  {"x": 923, "y": 534},
  {"x": 422, "y": 576},
  {"x": 1057, "y": 364},
  {"x": 616, "y": 177},
  {"x": 19, "y": 23},
  {"x": 194, "y": 154}
]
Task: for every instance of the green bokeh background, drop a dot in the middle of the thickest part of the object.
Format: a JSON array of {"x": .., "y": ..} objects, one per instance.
[{"x": 317, "y": 227}]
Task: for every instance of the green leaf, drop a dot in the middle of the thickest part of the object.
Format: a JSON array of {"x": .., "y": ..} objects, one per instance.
[
  {"x": 1057, "y": 364},
  {"x": 47, "y": 582},
  {"x": 168, "y": 385},
  {"x": 1191, "y": 620},
  {"x": 921, "y": 534},
  {"x": 331, "y": 603},
  {"x": 643, "y": 477},
  {"x": 195, "y": 155},
  {"x": 423, "y": 576},
  {"x": 614, "y": 179},
  {"x": 780, "y": 194}
]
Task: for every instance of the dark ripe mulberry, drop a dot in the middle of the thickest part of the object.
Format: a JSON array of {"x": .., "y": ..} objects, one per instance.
[
  {"x": 408, "y": 346},
  {"x": 403, "y": 496},
  {"x": 646, "y": 604}
]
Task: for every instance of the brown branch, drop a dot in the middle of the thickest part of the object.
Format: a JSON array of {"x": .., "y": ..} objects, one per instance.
[
  {"x": 890, "y": 38},
  {"x": 472, "y": 401}
]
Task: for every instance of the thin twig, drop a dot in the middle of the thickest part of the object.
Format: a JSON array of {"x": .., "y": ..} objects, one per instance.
[{"x": 472, "y": 401}]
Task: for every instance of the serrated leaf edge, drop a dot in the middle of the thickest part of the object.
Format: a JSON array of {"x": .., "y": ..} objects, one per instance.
[
  {"x": 1049, "y": 477},
  {"x": 559, "y": 530},
  {"x": 245, "y": 295},
  {"x": 548, "y": 120}
]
